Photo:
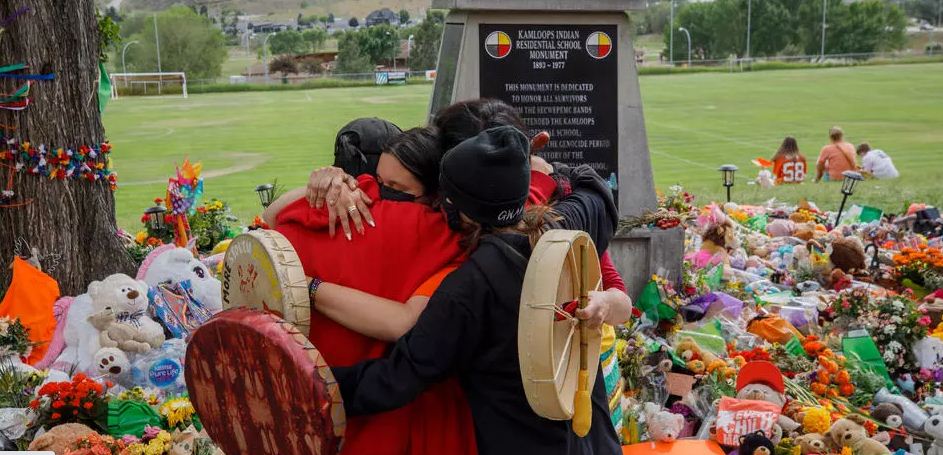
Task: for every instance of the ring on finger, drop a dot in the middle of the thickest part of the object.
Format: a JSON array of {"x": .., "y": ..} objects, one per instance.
[{"x": 352, "y": 209}]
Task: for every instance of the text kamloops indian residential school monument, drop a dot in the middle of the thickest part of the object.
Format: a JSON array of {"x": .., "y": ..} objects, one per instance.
[{"x": 568, "y": 66}]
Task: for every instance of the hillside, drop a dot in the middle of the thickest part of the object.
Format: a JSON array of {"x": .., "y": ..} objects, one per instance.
[{"x": 282, "y": 8}]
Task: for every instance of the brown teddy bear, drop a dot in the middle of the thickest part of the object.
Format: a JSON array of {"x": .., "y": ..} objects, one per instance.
[
  {"x": 719, "y": 239},
  {"x": 891, "y": 415},
  {"x": 812, "y": 444},
  {"x": 848, "y": 255},
  {"x": 850, "y": 432},
  {"x": 60, "y": 438}
]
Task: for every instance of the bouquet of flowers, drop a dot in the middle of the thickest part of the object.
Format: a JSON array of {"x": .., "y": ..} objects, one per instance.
[
  {"x": 81, "y": 400},
  {"x": 632, "y": 353},
  {"x": 210, "y": 223},
  {"x": 674, "y": 208},
  {"x": 922, "y": 265},
  {"x": 96, "y": 444},
  {"x": 154, "y": 442},
  {"x": 896, "y": 324},
  {"x": 17, "y": 386},
  {"x": 178, "y": 413},
  {"x": 14, "y": 338}
]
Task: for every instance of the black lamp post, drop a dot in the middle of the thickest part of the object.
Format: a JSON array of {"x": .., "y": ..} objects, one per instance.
[
  {"x": 847, "y": 189},
  {"x": 728, "y": 171},
  {"x": 266, "y": 194},
  {"x": 155, "y": 218}
]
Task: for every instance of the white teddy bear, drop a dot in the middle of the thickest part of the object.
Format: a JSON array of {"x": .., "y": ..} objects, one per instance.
[
  {"x": 118, "y": 305},
  {"x": 934, "y": 428},
  {"x": 170, "y": 265}
]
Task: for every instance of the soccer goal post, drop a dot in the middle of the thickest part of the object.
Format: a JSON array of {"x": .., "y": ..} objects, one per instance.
[{"x": 148, "y": 84}]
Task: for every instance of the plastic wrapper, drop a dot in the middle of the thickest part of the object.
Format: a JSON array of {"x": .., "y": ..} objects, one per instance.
[
  {"x": 177, "y": 309},
  {"x": 162, "y": 368}
]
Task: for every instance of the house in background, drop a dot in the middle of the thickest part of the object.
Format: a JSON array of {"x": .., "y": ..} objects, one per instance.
[{"x": 382, "y": 16}]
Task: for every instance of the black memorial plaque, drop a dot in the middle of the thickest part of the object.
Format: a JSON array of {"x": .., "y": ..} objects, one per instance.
[{"x": 563, "y": 79}]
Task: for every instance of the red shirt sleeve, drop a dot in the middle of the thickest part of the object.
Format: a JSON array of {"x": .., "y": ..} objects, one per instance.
[
  {"x": 542, "y": 187},
  {"x": 610, "y": 276},
  {"x": 300, "y": 212}
]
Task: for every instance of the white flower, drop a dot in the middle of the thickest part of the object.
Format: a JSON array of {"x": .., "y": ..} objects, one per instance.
[
  {"x": 895, "y": 346},
  {"x": 896, "y": 319},
  {"x": 889, "y": 329},
  {"x": 889, "y": 356},
  {"x": 898, "y": 305}
]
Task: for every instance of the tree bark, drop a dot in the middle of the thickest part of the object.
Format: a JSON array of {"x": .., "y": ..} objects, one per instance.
[{"x": 69, "y": 220}]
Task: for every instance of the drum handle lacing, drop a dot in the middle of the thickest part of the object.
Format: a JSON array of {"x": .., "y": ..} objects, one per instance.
[{"x": 569, "y": 338}]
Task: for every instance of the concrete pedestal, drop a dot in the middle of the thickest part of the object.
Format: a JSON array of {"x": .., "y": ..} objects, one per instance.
[{"x": 640, "y": 253}]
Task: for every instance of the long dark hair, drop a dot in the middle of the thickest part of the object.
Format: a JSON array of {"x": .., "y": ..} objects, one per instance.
[
  {"x": 465, "y": 119},
  {"x": 789, "y": 148},
  {"x": 537, "y": 219},
  {"x": 418, "y": 150}
]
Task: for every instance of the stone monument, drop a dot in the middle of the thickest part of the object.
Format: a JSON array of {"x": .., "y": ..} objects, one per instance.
[{"x": 568, "y": 66}]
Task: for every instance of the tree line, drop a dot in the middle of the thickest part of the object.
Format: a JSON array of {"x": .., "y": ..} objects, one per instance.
[{"x": 718, "y": 29}]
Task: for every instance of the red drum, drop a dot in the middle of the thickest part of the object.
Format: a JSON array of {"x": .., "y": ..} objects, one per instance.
[{"x": 260, "y": 387}]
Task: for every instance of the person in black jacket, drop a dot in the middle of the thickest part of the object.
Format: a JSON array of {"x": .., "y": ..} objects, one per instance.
[{"x": 469, "y": 327}]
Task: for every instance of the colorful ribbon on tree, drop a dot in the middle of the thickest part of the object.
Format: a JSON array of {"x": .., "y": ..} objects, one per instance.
[
  {"x": 17, "y": 100},
  {"x": 6, "y": 71},
  {"x": 87, "y": 162}
]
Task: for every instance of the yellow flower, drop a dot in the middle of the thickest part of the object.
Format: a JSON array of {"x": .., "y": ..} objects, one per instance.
[
  {"x": 134, "y": 449},
  {"x": 816, "y": 420},
  {"x": 177, "y": 411},
  {"x": 140, "y": 237},
  {"x": 846, "y": 451},
  {"x": 796, "y": 450}
]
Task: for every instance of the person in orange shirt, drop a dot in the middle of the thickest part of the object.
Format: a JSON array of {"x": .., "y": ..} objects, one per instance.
[
  {"x": 836, "y": 157},
  {"x": 789, "y": 165}
]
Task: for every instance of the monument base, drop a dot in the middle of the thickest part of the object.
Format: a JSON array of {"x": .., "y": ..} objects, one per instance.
[{"x": 640, "y": 253}]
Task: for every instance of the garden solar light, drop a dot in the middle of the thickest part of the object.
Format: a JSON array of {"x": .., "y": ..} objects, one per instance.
[
  {"x": 847, "y": 189},
  {"x": 266, "y": 194},
  {"x": 728, "y": 171},
  {"x": 155, "y": 217}
]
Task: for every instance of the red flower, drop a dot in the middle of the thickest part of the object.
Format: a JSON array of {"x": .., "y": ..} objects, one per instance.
[
  {"x": 143, "y": 219},
  {"x": 34, "y": 404},
  {"x": 57, "y": 404},
  {"x": 158, "y": 201},
  {"x": 75, "y": 412},
  {"x": 56, "y": 415},
  {"x": 88, "y": 405}
]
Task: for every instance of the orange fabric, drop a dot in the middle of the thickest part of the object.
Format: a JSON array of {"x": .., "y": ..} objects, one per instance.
[
  {"x": 30, "y": 298},
  {"x": 790, "y": 170},
  {"x": 441, "y": 420},
  {"x": 428, "y": 288}
]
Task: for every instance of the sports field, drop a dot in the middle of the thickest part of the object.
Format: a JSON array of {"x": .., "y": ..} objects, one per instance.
[{"x": 695, "y": 123}]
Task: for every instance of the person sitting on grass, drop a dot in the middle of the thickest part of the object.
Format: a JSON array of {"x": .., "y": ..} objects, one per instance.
[
  {"x": 876, "y": 163},
  {"x": 836, "y": 157},
  {"x": 789, "y": 165}
]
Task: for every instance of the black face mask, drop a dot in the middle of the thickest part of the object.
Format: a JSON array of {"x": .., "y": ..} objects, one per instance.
[
  {"x": 452, "y": 216},
  {"x": 391, "y": 194}
]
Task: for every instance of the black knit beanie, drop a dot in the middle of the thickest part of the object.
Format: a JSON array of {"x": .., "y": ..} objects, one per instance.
[
  {"x": 487, "y": 177},
  {"x": 359, "y": 143}
]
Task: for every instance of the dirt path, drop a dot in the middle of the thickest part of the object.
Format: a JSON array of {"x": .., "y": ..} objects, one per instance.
[{"x": 244, "y": 162}]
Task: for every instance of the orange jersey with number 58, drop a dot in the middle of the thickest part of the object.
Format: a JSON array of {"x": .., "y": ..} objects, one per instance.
[{"x": 790, "y": 170}]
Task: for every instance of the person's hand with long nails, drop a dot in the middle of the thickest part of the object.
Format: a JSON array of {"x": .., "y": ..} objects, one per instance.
[{"x": 332, "y": 187}]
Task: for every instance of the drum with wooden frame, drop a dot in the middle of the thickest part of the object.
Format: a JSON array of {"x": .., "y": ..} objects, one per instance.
[
  {"x": 262, "y": 270},
  {"x": 261, "y": 388},
  {"x": 559, "y": 356}
]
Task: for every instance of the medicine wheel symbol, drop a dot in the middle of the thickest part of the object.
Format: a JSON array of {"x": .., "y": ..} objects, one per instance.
[
  {"x": 498, "y": 44},
  {"x": 598, "y": 45}
]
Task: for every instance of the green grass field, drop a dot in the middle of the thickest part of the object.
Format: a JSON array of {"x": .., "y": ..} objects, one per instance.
[{"x": 695, "y": 123}]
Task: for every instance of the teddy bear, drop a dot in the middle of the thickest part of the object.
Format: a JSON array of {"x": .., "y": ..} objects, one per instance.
[
  {"x": 756, "y": 444},
  {"x": 698, "y": 360},
  {"x": 169, "y": 264},
  {"x": 60, "y": 438},
  {"x": 891, "y": 415},
  {"x": 719, "y": 239},
  {"x": 663, "y": 426},
  {"x": 850, "y": 432},
  {"x": 118, "y": 314},
  {"x": 847, "y": 254},
  {"x": 119, "y": 305},
  {"x": 812, "y": 444},
  {"x": 763, "y": 381},
  {"x": 933, "y": 427}
]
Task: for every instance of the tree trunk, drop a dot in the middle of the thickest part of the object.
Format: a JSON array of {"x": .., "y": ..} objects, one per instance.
[{"x": 71, "y": 222}]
